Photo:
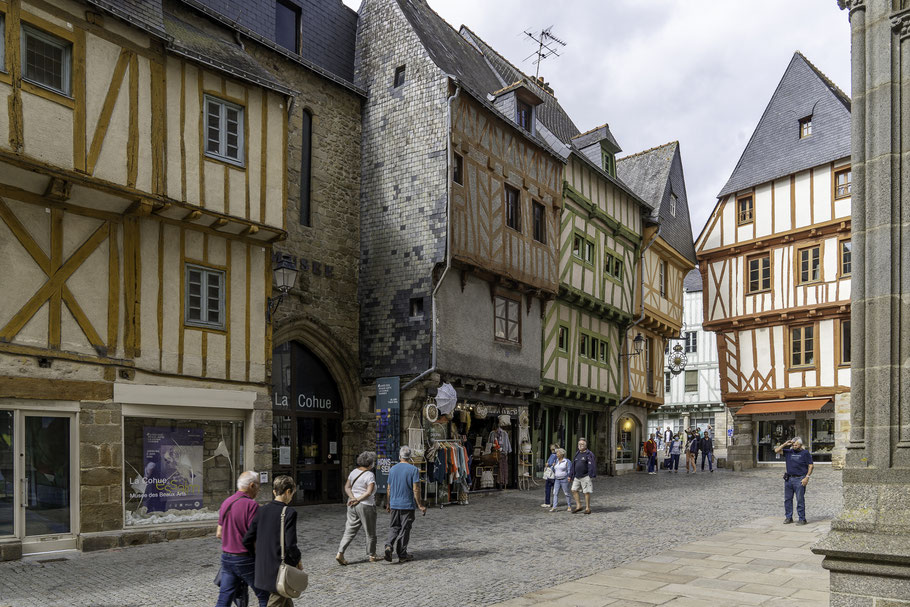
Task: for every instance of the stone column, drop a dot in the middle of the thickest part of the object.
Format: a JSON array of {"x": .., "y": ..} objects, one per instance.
[
  {"x": 742, "y": 450},
  {"x": 868, "y": 548}
]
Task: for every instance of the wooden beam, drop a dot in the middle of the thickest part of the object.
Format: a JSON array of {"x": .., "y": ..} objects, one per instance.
[
  {"x": 107, "y": 109},
  {"x": 42, "y": 389}
]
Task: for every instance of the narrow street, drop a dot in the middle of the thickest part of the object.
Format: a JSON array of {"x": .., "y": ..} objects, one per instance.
[{"x": 499, "y": 547}]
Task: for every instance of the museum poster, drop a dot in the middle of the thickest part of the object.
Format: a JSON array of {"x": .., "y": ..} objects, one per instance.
[
  {"x": 387, "y": 429},
  {"x": 173, "y": 468}
]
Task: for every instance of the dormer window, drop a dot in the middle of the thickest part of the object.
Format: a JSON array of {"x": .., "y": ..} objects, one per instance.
[
  {"x": 805, "y": 127},
  {"x": 524, "y": 115},
  {"x": 609, "y": 162},
  {"x": 673, "y": 200}
]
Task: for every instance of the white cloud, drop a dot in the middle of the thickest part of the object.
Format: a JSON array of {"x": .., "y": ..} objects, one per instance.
[{"x": 699, "y": 71}]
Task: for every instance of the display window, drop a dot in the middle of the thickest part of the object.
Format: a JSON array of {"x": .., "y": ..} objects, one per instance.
[
  {"x": 771, "y": 433},
  {"x": 821, "y": 439},
  {"x": 179, "y": 470}
]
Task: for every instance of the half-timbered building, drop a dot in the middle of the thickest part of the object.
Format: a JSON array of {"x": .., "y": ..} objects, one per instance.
[
  {"x": 459, "y": 224},
  {"x": 599, "y": 237},
  {"x": 665, "y": 258},
  {"x": 142, "y": 184},
  {"x": 776, "y": 263}
]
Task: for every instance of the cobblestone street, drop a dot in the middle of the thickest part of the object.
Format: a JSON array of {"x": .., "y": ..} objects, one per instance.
[{"x": 499, "y": 547}]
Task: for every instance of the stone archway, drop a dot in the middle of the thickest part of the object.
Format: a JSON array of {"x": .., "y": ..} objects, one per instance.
[{"x": 627, "y": 424}]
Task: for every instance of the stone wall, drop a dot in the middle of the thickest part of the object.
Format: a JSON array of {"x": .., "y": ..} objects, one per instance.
[
  {"x": 741, "y": 450},
  {"x": 841, "y": 430},
  {"x": 403, "y": 196},
  {"x": 100, "y": 467}
]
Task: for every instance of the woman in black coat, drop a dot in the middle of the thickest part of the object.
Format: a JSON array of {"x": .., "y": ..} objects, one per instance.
[{"x": 263, "y": 541}]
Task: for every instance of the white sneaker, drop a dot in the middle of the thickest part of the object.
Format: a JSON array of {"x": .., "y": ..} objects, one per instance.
[{"x": 545, "y": 505}]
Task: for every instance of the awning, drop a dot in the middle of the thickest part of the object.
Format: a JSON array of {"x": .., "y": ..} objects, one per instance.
[{"x": 785, "y": 406}]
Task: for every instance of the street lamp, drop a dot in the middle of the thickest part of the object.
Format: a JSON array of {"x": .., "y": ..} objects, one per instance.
[
  {"x": 638, "y": 345},
  {"x": 285, "y": 270}
]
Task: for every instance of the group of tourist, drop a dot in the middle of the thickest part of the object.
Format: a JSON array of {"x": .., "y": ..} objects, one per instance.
[
  {"x": 674, "y": 444},
  {"x": 561, "y": 473}
]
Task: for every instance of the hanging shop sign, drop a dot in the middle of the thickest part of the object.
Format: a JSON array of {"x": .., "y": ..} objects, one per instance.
[
  {"x": 388, "y": 430},
  {"x": 172, "y": 472},
  {"x": 485, "y": 410}
]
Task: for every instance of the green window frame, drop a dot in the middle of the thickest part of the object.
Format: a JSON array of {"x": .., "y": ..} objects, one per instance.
[
  {"x": 613, "y": 266},
  {"x": 583, "y": 248},
  {"x": 562, "y": 338}
]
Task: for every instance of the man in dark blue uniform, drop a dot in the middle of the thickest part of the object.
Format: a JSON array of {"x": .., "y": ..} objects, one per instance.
[{"x": 799, "y": 469}]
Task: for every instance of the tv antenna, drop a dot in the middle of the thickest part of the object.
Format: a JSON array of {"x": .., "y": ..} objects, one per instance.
[{"x": 547, "y": 46}]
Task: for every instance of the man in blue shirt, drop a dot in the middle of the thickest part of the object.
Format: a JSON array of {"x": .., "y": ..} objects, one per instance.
[
  {"x": 799, "y": 469},
  {"x": 403, "y": 498}
]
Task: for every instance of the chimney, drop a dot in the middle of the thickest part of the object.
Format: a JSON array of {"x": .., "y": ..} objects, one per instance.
[{"x": 544, "y": 85}]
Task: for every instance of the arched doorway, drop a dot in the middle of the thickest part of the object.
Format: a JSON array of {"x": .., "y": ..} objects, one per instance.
[
  {"x": 628, "y": 439},
  {"x": 307, "y": 415}
]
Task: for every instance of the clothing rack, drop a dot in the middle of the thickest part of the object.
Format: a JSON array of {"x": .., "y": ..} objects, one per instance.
[{"x": 446, "y": 443}]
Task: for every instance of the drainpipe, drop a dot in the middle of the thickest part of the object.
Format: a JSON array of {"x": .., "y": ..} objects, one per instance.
[
  {"x": 448, "y": 231},
  {"x": 641, "y": 317}
]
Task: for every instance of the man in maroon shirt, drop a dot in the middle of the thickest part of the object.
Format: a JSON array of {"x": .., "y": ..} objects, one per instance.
[{"x": 234, "y": 518}]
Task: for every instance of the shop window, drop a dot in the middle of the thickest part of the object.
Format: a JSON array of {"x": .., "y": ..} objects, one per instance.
[
  {"x": 7, "y": 475},
  {"x": 507, "y": 320},
  {"x": 662, "y": 277},
  {"x": 625, "y": 445},
  {"x": 306, "y": 152},
  {"x": 772, "y": 433},
  {"x": 540, "y": 222},
  {"x": 802, "y": 346},
  {"x": 563, "y": 339},
  {"x": 513, "y": 208},
  {"x": 399, "y": 76},
  {"x": 458, "y": 169},
  {"x": 846, "y": 258},
  {"x": 223, "y": 130},
  {"x": 845, "y": 355},
  {"x": 46, "y": 60},
  {"x": 744, "y": 210},
  {"x": 691, "y": 342},
  {"x": 805, "y": 127},
  {"x": 583, "y": 249},
  {"x": 821, "y": 439},
  {"x": 691, "y": 381},
  {"x": 667, "y": 377},
  {"x": 809, "y": 260},
  {"x": 287, "y": 25},
  {"x": 760, "y": 273},
  {"x": 842, "y": 179},
  {"x": 179, "y": 470},
  {"x": 204, "y": 297}
]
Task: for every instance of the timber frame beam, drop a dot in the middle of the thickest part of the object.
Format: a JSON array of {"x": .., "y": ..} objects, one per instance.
[{"x": 787, "y": 316}]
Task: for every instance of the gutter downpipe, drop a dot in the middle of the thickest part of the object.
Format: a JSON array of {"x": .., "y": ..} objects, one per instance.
[
  {"x": 448, "y": 231},
  {"x": 641, "y": 317}
]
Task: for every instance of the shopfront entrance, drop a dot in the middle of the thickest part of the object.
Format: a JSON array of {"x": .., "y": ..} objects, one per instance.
[
  {"x": 306, "y": 425},
  {"x": 38, "y": 482}
]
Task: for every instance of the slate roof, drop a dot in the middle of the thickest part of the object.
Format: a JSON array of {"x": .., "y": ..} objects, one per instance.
[
  {"x": 692, "y": 282},
  {"x": 222, "y": 54},
  {"x": 655, "y": 175},
  {"x": 144, "y": 14},
  {"x": 550, "y": 112},
  {"x": 599, "y": 133},
  {"x": 775, "y": 149},
  {"x": 456, "y": 57}
]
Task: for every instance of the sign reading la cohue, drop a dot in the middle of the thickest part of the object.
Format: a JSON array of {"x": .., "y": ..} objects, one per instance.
[{"x": 305, "y": 402}]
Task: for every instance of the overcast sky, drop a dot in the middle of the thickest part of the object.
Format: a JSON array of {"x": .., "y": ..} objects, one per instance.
[{"x": 697, "y": 71}]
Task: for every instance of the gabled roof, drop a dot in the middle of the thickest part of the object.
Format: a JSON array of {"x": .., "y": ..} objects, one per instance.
[
  {"x": 775, "y": 148},
  {"x": 656, "y": 175},
  {"x": 692, "y": 282},
  {"x": 549, "y": 113},
  {"x": 596, "y": 135}
]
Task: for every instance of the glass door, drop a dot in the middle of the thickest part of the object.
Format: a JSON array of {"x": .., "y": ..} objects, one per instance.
[
  {"x": 48, "y": 482},
  {"x": 318, "y": 463},
  {"x": 7, "y": 474}
]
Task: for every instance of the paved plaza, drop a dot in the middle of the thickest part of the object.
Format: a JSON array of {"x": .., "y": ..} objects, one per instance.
[{"x": 500, "y": 547}]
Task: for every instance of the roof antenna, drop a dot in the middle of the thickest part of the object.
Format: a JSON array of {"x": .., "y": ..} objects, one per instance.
[{"x": 547, "y": 45}]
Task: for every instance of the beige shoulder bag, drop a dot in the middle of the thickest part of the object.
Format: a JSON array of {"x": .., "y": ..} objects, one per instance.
[{"x": 291, "y": 581}]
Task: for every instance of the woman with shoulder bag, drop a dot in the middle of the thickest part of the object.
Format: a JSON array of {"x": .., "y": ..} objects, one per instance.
[
  {"x": 549, "y": 476},
  {"x": 361, "y": 502},
  {"x": 271, "y": 536}
]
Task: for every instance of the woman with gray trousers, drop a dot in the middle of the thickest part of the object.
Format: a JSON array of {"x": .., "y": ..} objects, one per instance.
[{"x": 360, "y": 489}]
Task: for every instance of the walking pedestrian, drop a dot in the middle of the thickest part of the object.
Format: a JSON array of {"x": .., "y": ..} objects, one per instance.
[
  {"x": 673, "y": 450},
  {"x": 706, "y": 446},
  {"x": 584, "y": 470},
  {"x": 263, "y": 539},
  {"x": 562, "y": 470},
  {"x": 237, "y": 563},
  {"x": 651, "y": 453},
  {"x": 668, "y": 435},
  {"x": 360, "y": 489},
  {"x": 799, "y": 469},
  {"x": 403, "y": 499},
  {"x": 548, "y": 476},
  {"x": 691, "y": 451}
]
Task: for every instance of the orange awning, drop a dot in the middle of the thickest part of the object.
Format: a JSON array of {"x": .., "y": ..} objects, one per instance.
[{"x": 785, "y": 406}]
